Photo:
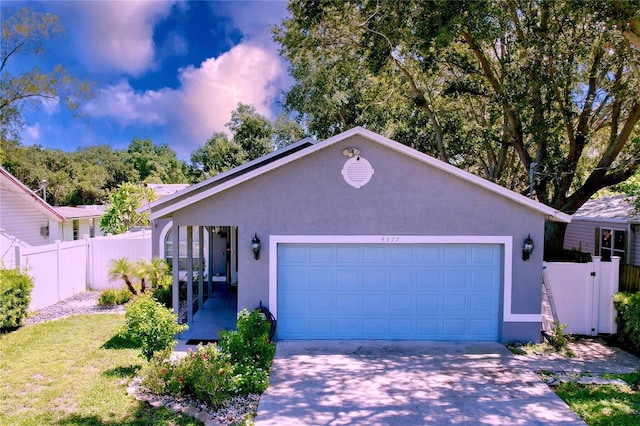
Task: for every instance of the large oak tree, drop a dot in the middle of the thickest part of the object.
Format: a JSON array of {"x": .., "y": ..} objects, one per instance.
[{"x": 495, "y": 87}]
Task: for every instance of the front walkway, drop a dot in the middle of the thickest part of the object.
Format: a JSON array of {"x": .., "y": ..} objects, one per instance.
[{"x": 218, "y": 313}]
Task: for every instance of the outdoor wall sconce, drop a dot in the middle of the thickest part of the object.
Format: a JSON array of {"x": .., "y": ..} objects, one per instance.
[
  {"x": 527, "y": 248},
  {"x": 255, "y": 246}
]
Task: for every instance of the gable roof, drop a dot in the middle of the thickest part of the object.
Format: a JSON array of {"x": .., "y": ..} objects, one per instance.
[
  {"x": 217, "y": 184},
  {"x": 617, "y": 207},
  {"x": 78, "y": 212},
  {"x": 14, "y": 185}
]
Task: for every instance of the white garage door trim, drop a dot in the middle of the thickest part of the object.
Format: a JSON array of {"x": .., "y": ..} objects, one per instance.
[{"x": 505, "y": 241}]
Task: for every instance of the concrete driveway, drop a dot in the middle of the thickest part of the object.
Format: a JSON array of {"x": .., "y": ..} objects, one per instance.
[{"x": 405, "y": 383}]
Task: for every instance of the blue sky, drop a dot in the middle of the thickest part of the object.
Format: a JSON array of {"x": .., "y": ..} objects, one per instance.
[{"x": 171, "y": 71}]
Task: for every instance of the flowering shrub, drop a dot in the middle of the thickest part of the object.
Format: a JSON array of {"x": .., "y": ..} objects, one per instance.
[
  {"x": 249, "y": 345},
  {"x": 239, "y": 366}
]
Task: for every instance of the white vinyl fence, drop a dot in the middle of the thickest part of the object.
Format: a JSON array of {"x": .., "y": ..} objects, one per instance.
[
  {"x": 63, "y": 269},
  {"x": 583, "y": 294}
]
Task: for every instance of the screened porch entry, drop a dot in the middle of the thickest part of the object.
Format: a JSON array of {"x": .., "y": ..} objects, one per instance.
[{"x": 206, "y": 274}]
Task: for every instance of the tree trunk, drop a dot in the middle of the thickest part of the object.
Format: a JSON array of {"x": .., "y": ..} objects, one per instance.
[
  {"x": 130, "y": 285},
  {"x": 554, "y": 240}
]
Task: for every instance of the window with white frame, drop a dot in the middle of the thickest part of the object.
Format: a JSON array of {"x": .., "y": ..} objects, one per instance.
[{"x": 613, "y": 242}]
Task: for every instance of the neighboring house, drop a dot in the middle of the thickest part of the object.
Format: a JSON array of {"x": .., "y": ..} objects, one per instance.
[
  {"x": 361, "y": 237},
  {"x": 80, "y": 222},
  {"x": 606, "y": 227},
  {"x": 27, "y": 220}
]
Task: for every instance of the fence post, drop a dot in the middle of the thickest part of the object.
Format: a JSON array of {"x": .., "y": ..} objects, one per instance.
[
  {"x": 596, "y": 276},
  {"x": 17, "y": 261},
  {"x": 58, "y": 267},
  {"x": 615, "y": 287},
  {"x": 89, "y": 267}
]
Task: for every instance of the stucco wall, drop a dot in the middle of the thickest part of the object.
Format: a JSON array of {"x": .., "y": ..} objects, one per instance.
[{"x": 405, "y": 197}]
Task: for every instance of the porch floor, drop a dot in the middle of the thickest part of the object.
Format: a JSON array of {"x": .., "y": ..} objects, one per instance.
[{"x": 218, "y": 313}]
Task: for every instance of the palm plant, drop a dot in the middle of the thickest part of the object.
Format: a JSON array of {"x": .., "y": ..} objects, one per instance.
[{"x": 122, "y": 269}]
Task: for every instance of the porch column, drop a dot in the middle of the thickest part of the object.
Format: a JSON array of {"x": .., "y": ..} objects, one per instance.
[
  {"x": 189, "y": 273},
  {"x": 200, "y": 267},
  {"x": 210, "y": 262},
  {"x": 175, "y": 271}
]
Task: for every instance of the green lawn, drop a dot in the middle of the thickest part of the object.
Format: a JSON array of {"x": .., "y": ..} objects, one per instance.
[
  {"x": 604, "y": 404},
  {"x": 73, "y": 372}
]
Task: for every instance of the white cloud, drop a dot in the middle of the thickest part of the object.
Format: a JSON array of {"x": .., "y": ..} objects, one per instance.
[
  {"x": 254, "y": 18},
  {"x": 32, "y": 133},
  {"x": 115, "y": 36},
  {"x": 203, "y": 103}
]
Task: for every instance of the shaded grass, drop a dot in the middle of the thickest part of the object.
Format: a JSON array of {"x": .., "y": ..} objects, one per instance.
[
  {"x": 604, "y": 404},
  {"x": 73, "y": 372}
]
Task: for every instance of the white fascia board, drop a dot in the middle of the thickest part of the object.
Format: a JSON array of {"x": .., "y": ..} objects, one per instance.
[{"x": 505, "y": 241}]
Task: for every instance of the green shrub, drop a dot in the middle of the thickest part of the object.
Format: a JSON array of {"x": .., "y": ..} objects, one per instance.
[
  {"x": 150, "y": 325},
  {"x": 15, "y": 296},
  {"x": 163, "y": 294},
  {"x": 204, "y": 374},
  {"x": 557, "y": 339},
  {"x": 628, "y": 319},
  {"x": 114, "y": 296},
  {"x": 249, "y": 345}
]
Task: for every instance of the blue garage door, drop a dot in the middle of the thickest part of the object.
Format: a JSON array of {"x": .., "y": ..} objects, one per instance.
[{"x": 388, "y": 291}]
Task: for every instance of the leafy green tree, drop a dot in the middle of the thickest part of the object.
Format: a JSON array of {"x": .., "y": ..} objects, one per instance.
[
  {"x": 156, "y": 163},
  {"x": 493, "y": 87},
  {"x": 253, "y": 136},
  {"x": 216, "y": 156},
  {"x": 121, "y": 214},
  {"x": 23, "y": 33}
]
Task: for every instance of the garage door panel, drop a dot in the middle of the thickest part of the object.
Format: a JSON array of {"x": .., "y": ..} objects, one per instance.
[
  {"x": 428, "y": 329},
  {"x": 454, "y": 327},
  {"x": 455, "y": 254},
  {"x": 428, "y": 280},
  {"x": 292, "y": 254},
  {"x": 374, "y": 254},
  {"x": 348, "y": 254},
  {"x": 402, "y": 303},
  {"x": 321, "y": 326},
  {"x": 322, "y": 254},
  {"x": 388, "y": 291},
  {"x": 483, "y": 279},
  {"x": 402, "y": 254},
  {"x": 320, "y": 303},
  {"x": 456, "y": 303},
  {"x": 348, "y": 279},
  {"x": 350, "y": 303},
  {"x": 321, "y": 280},
  {"x": 430, "y": 255},
  {"x": 375, "y": 280},
  {"x": 455, "y": 280},
  {"x": 485, "y": 254},
  {"x": 293, "y": 279},
  {"x": 428, "y": 304},
  {"x": 378, "y": 303},
  {"x": 375, "y": 328}
]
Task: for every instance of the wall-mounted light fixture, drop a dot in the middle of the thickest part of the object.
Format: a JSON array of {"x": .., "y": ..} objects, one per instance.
[
  {"x": 527, "y": 248},
  {"x": 255, "y": 246}
]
